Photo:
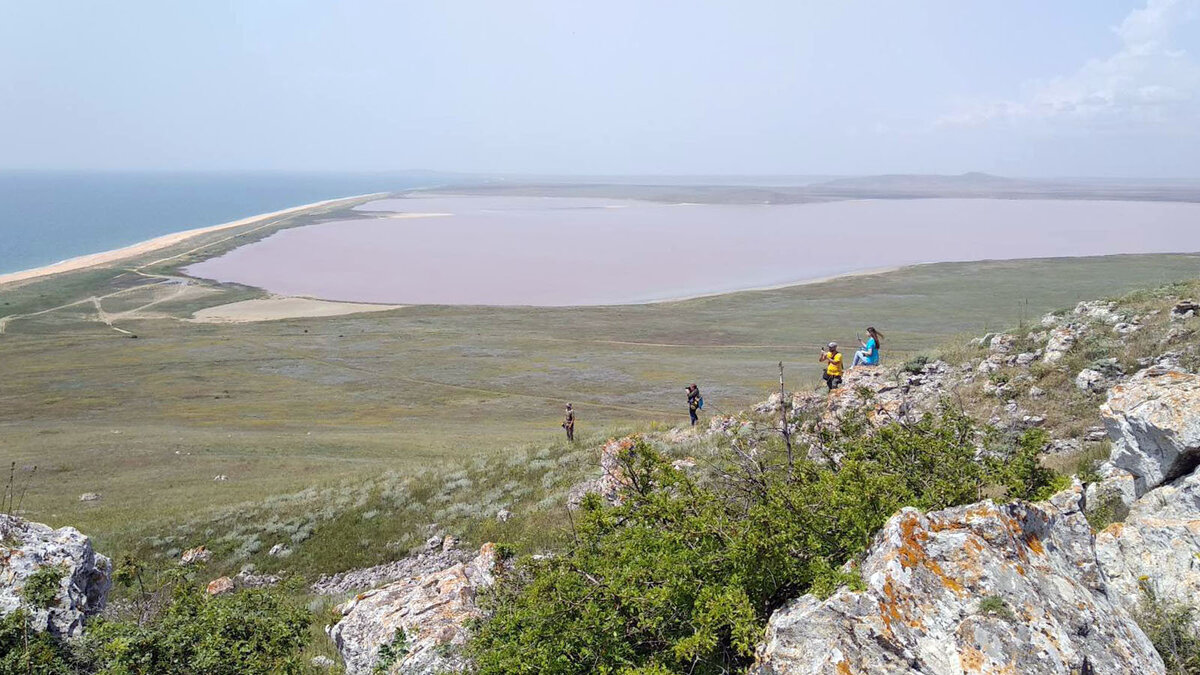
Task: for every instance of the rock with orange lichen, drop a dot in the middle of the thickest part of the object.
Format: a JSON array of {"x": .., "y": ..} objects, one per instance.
[
  {"x": 1154, "y": 422},
  {"x": 428, "y": 612},
  {"x": 1157, "y": 547},
  {"x": 926, "y": 576}
]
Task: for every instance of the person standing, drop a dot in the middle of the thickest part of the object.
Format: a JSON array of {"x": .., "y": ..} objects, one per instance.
[
  {"x": 695, "y": 402},
  {"x": 869, "y": 354},
  {"x": 569, "y": 423},
  {"x": 832, "y": 359}
]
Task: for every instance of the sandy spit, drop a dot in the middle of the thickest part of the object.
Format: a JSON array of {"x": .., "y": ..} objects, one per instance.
[
  {"x": 276, "y": 308},
  {"x": 115, "y": 255}
]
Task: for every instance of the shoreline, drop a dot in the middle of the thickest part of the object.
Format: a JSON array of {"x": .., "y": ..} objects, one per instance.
[{"x": 157, "y": 243}]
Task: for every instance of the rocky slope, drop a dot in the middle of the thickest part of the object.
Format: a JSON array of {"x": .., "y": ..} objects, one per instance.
[{"x": 1023, "y": 587}]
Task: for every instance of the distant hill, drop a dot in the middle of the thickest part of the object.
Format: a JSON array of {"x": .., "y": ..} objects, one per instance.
[{"x": 974, "y": 180}]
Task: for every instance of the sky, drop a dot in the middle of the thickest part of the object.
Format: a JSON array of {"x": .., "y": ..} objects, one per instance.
[{"x": 753, "y": 87}]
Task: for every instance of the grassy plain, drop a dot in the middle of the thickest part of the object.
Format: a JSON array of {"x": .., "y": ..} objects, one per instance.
[{"x": 283, "y": 406}]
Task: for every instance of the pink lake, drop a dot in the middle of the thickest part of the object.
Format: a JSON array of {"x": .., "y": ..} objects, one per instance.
[{"x": 554, "y": 251}]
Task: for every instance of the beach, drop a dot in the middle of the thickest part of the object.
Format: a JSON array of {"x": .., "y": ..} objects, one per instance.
[{"x": 157, "y": 243}]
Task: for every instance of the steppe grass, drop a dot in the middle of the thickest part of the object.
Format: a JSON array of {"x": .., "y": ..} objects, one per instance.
[{"x": 280, "y": 407}]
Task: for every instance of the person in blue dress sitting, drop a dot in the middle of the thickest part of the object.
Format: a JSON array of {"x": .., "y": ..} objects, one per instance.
[{"x": 869, "y": 354}]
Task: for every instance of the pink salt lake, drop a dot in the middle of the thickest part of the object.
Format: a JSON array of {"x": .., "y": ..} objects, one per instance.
[{"x": 553, "y": 251}]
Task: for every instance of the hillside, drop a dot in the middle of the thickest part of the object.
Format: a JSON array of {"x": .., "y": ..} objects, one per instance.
[{"x": 1019, "y": 414}]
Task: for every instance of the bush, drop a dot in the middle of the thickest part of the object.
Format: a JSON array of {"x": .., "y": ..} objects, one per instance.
[
  {"x": 248, "y": 632},
  {"x": 683, "y": 575},
  {"x": 41, "y": 588},
  {"x": 251, "y": 632}
]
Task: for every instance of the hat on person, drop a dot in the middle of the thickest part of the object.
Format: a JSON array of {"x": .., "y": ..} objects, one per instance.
[{"x": 832, "y": 345}]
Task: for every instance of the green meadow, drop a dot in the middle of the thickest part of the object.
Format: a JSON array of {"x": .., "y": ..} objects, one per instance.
[{"x": 279, "y": 407}]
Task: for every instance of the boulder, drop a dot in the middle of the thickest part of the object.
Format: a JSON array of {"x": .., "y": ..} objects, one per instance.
[
  {"x": 1155, "y": 547},
  {"x": 1092, "y": 381},
  {"x": 194, "y": 556},
  {"x": 1098, "y": 310},
  {"x": 1153, "y": 420},
  {"x": 427, "y": 612},
  {"x": 1060, "y": 341},
  {"x": 612, "y": 475},
  {"x": 27, "y": 547},
  {"x": 368, "y": 577},
  {"x": 89, "y": 497},
  {"x": 974, "y": 589},
  {"x": 220, "y": 586},
  {"x": 1185, "y": 309}
]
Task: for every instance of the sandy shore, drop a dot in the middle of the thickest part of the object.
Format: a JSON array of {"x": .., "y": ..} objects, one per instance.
[
  {"x": 167, "y": 240},
  {"x": 276, "y": 308}
]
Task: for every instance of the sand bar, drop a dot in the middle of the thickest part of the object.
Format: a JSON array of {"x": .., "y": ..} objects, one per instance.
[
  {"x": 276, "y": 308},
  {"x": 167, "y": 240}
]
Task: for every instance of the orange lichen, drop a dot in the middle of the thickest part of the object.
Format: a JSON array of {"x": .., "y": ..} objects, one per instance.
[
  {"x": 1034, "y": 544},
  {"x": 971, "y": 659},
  {"x": 912, "y": 554},
  {"x": 843, "y": 668}
]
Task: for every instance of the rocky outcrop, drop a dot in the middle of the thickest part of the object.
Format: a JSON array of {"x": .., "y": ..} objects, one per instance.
[
  {"x": 974, "y": 589},
  {"x": 611, "y": 479},
  {"x": 426, "y": 613},
  {"x": 1156, "y": 547},
  {"x": 422, "y": 564},
  {"x": 1153, "y": 420},
  {"x": 26, "y": 548}
]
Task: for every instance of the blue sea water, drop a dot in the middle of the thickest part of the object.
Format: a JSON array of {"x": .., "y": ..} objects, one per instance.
[{"x": 48, "y": 216}]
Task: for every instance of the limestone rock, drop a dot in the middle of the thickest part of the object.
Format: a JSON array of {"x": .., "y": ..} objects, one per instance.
[
  {"x": 1098, "y": 310},
  {"x": 1154, "y": 422},
  {"x": 503, "y": 515},
  {"x": 26, "y": 547},
  {"x": 279, "y": 551},
  {"x": 611, "y": 479},
  {"x": 926, "y": 575},
  {"x": 89, "y": 497},
  {"x": 369, "y": 577},
  {"x": 195, "y": 555},
  {"x": 1116, "y": 491},
  {"x": 1157, "y": 545},
  {"x": 1090, "y": 380},
  {"x": 1185, "y": 309},
  {"x": 428, "y": 612},
  {"x": 1060, "y": 341},
  {"x": 220, "y": 586}
]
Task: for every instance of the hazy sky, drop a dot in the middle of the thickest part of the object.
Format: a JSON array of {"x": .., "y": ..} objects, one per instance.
[{"x": 1018, "y": 87}]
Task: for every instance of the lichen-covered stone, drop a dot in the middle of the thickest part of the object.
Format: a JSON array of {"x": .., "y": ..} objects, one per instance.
[
  {"x": 1157, "y": 546},
  {"x": 1153, "y": 420},
  {"x": 428, "y": 612},
  {"x": 26, "y": 547},
  {"x": 921, "y": 614}
]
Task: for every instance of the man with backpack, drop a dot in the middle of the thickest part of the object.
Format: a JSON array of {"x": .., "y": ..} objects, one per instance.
[
  {"x": 695, "y": 402},
  {"x": 832, "y": 359},
  {"x": 569, "y": 423}
]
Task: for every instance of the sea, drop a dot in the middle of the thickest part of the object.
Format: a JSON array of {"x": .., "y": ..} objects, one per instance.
[{"x": 49, "y": 216}]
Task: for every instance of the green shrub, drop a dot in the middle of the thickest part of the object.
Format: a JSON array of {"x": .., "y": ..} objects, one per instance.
[
  {"x": 41, "y": 588},
  {"x": 682, "y": 576},
  {"x": 25, "y": 652},
  {"x": 1170, "y": 628},
  {"x": 994, "y": 605},
  {"x": 247, "y": 632},
  {"x": 916, "y": 364}
]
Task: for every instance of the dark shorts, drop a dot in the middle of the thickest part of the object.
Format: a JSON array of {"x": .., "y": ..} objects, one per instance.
[{"x": 832, "y": 381}]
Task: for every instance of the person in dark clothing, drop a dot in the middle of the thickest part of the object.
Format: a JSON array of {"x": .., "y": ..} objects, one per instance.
[
  {"x": 569, "y": 423},
  {"x": 695, "y": 401}
]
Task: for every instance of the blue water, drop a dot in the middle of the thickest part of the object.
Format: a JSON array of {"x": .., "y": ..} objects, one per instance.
[{"x": 48, "y": 216}]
